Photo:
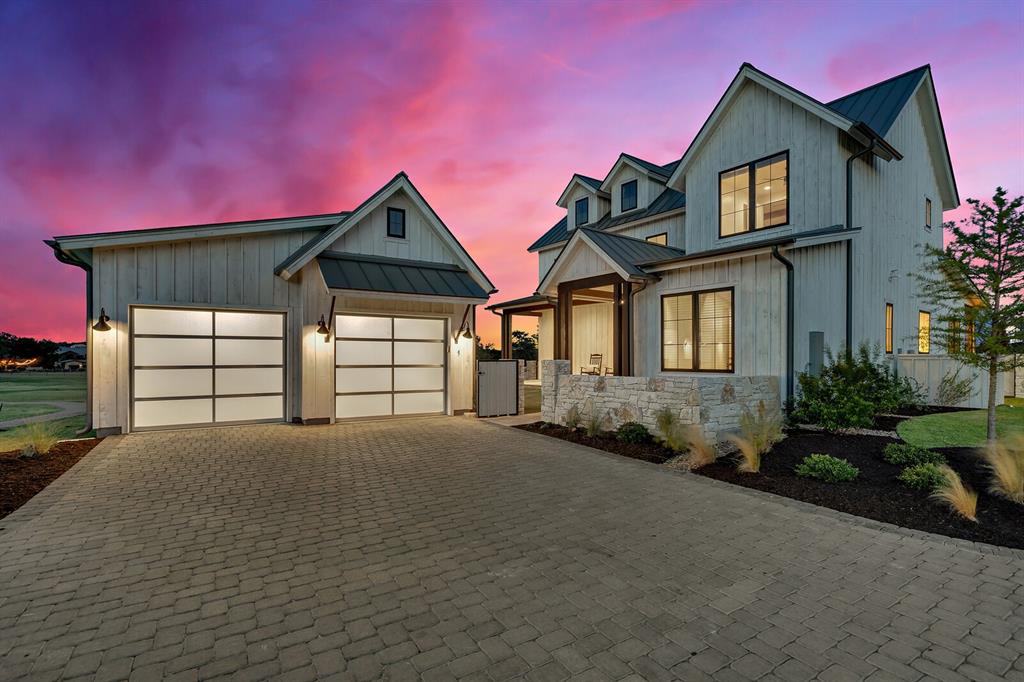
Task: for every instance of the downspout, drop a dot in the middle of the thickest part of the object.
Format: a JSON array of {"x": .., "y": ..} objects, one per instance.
[
  {"x": 849, "y": 245},
  {"x": 69, "y": 259},
  {"x": 790, "y": 317}
]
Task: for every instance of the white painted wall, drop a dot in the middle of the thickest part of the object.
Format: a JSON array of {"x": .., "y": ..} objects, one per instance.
[
  {"x": 928, "y": 371},
  {"x": 592, "y": 333}
]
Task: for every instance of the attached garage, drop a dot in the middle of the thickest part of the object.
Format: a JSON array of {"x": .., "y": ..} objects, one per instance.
[
  {"x": 389, "y": 366},
  {"x": 195, "y": 367}
]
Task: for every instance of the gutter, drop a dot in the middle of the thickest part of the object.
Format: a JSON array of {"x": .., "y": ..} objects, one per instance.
[
  {"x": 68, "y": 259},
  {"x": 790, "y": 320},
  {"x": 849, "y": 245}
]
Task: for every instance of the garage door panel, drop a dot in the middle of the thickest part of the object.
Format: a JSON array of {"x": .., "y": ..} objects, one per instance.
[
  {"x": 170, "y": 321},
  {"x": 418, "y": 328},
  {"x": 239, "y": 380},
  {"x": 169, "y": 383},
  {"x": 250, "y": 352},
  {"x": 419, "y": 378},
  {"x": 419, "y": 403},
  {"x": 363, "y": 327},
  {"x": 150, "y": 413},
  {"x": 164, "y": 352},
  {"x": 362, "y": 379},
  {"x": 363, "y": 352},
  {"x": 249, "y": 324},
  {"x": 419, "y": 353},
  {"x": 352, "y": 406},
  {"x": 253, "y": 408}
]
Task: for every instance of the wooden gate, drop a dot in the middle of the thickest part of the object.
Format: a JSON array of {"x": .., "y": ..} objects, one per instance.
[{"x": 497, "y": 388}]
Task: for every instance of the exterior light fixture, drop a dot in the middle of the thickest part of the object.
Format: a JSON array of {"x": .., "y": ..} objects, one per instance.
[
  {"x": 322, "y": 327},
  {"x": 466, "y": 334},
  {"x": 101, "y": 324}
]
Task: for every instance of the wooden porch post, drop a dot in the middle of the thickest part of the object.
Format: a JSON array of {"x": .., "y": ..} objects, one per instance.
[
  {"x": 506, "y": 335},
  {"x": 563, "y": 323}
]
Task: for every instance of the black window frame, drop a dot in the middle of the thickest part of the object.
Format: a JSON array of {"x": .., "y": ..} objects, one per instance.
[
  {"x": 396, "y": 211},
  {"x": 695, "y": 295},
  {"x": 890, "y": 328},
  {"x": 928, "y": 213},
  {"x": 622, "y": 196},
  {"x": 651, "y": 237},
  {"x": 586, "y": 203},
  {"x": 751, "y": 188}
]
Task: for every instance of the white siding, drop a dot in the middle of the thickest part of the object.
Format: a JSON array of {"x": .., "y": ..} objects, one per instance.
[
  {"x": 673, "y": 225},
  {"x": 545, "y": 259},
  {"x": 592, "y": 333},
  {"x": 545, "y": 339},
  {"x": 647, "y": 190}
]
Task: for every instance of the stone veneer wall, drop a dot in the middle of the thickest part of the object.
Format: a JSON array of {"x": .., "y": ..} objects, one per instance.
[{"x": 715, "y": 402}]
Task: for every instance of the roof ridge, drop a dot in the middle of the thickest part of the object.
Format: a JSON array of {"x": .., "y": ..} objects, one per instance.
[
  {"x": 311, "y": 216},
  {"x": 389, "y": 260},
  {"x": 926, "y": 67}
]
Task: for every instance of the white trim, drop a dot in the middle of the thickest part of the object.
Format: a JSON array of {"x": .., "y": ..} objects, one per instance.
[
  {"x": 937, "y": 145},
  {"x": 734, "y": 255},
  {"x": 624, "y": 160},
  {"x": 576, "y": 179}
]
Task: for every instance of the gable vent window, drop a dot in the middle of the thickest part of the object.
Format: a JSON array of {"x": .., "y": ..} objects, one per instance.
[
  {"x": 763, "y": 185},
  {"x": 582, "y": 211},
  {"x": 659, "y": 239},
  {"x": 396, "y": 223},
  {"x": 628, "y": 196}
]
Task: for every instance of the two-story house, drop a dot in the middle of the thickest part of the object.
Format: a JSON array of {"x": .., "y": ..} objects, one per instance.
[
  {"x": 359, "y": 314},
  {"x": 787, "y": 226}
]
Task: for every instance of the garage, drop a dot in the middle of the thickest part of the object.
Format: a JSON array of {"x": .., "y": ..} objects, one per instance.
[
  {"x": 197, "y": 367},
  {"x": 389, "y": 366}
]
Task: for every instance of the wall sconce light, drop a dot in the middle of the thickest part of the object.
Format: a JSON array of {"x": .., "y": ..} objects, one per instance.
[
  {"x": 321, "y": 327},
  {"x": 101, "y": 323},
  {"x": 466, "y": 334}
]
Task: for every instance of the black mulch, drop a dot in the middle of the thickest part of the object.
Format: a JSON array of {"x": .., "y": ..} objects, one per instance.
[{"x": 647, "y": 452}]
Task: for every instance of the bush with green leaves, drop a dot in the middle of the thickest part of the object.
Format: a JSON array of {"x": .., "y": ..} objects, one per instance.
[
  {"x": 827, "y": 468},
  {"x": 905, "y": 454},
  {"x": 633, "y": 432},
  {"x": 926, "y": 477},
  {"x": 850, "y": 391},
  {"x": 953, "y": 390}
]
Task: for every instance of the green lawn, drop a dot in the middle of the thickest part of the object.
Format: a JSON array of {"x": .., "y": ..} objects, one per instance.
[
  {"x": 65, "y": 428},
  {"x": 1015, "y": 402},
  {"x": 960, "y": 429},
  {"x": 11, "y": 411},
  {"x": 39, "y": 387}
]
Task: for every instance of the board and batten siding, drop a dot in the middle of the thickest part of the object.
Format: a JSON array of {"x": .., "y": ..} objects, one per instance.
[
  {"x": 759, "y": 310},
  {"x": 674, "y": 226},
  {"x": 592, "y": 332}
]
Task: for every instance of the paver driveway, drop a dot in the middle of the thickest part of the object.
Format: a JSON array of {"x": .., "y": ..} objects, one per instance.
[{"x": 450, "y": 548}]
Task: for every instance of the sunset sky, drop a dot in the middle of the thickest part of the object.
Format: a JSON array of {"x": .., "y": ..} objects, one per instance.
[{"x": 123, "y": 115}]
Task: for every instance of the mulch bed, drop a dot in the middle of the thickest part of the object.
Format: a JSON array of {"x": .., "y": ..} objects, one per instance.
[
  {"x": 21, "y": 479},
  {"x": 647, "y": 452}
]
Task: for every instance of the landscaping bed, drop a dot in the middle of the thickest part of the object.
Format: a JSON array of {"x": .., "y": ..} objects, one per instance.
[
  {"x": 647, "y": 452},
  {"x": 21, "y": 479}
]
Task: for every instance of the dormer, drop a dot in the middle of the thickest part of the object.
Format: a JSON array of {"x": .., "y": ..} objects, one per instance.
[
  {"x": 584, "y": 201},
  {"x": 632, "y": 184}
]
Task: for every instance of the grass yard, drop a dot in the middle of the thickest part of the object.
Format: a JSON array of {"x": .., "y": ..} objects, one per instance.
[
  {"x": 9, "y": 411},
  {"x": 961, "y": 429},
  {"x": 39, "y": 387}
]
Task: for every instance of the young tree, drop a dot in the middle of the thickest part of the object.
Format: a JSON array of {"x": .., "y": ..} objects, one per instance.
[
  {"x": 977, "y": 284},
  {"x": 524, "y": 345}
]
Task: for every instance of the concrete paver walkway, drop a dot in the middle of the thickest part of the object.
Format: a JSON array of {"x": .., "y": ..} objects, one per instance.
[{"x": 444, "y": 549}]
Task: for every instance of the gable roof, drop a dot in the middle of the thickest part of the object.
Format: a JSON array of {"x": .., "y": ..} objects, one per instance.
[
  {"x": 642, "y": 165},
  {"x": 359, "y": 272},
  {"x": 305, "y": 253},
  {"x": 878, "y": 105},
  {"x": 668, "y": 200},
  {"x": 589, "y": 183}
]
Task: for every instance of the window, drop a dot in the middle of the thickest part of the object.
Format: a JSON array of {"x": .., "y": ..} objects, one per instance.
[
  {"x": 582, "y": 211},
  {"x": 924, "y": 332},
  {"x": 888, "y": 327},
  {"x": 928, "y": 213},
  {"x": 953, "y": 337},
  {"x": 969, "y": 345},
  {"x": 396, "y": 223},
  {"x": 697, "y": 331},
  {"x": 628, "y": 196},
  {"x": 762, "y": 184},
  {"x": 661, "y": 238}
]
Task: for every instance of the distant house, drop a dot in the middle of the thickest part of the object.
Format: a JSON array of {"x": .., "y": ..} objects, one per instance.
[{"x": 70, "y": 358}]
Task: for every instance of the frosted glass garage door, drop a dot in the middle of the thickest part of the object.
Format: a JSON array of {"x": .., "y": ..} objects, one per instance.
[
  {"x": 203, "y": 367},
  {"x": 388, "y": 366}
]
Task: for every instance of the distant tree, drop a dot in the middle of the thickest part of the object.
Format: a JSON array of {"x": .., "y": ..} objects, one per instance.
[
  {"x": 7, "y": 345},
  {"x": 524, "y": 345},
  {"x": 486, "y": 351},
  {"x": 977, "y": 283}
]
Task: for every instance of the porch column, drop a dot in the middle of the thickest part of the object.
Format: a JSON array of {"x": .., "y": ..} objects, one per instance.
[
  {"x": 623, "y": 329},
  {"x": 506, "y": 334},
  {"x": 563, "y": 323}
]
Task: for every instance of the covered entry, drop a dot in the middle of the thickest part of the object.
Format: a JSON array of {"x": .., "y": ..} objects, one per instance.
[
  {"x": 197, "y": 367},
  {"x": 389, "y": 365}
]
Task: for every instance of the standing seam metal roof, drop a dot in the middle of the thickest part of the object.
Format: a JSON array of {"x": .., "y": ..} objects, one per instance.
[
  {"x": 629, "y": 252},
  {"x": 879, "y": 105},
  {"x": 396, "y": 275}
]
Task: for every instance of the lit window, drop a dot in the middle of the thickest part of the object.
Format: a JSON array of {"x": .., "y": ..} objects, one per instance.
[
  {"x": 928, "y": 213},
  {"x": 953, "y": 337},
  {"x": 628, "y": 195},
  {"x": 924, "y": 332},
  {"x": 888, "y": 327},
  {"x": 396, "y": 223},
  {"x": 696, "y": 331},
  {"x": 582, "y": 211},
  {"x": 763, "y": 185},
  {"x": 661, "y": 238}
]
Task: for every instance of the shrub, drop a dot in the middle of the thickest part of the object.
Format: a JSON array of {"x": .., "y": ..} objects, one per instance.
[
  {"x": 632, "y": 432},
  {"x": 849, "y": 392},
  {"x": 762, "y": 430},
  {"x": 927, "y": 476},
  {"x": 594, "y": 424},
  {"x": 701, "y": 452},
  {"x": 671, "y": 433},
  {"x": 1006, "y": 461},
  {"x": 827, "y": 468},
  {"x": 959, "y": 497},
  {"x": 905, "y": 454},
  {"x": 37, "y": 438},
  {"x": 572, "y": 417},
  {"x": 953, "y": 390},
  {"x": 750, "y": 456}
]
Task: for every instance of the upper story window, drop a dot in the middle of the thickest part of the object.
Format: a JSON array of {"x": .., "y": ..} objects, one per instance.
[
  {"x": 697, "y": 331},
  {"x": 582, "y": 211},
  {"x": 661, "y": 238},
  {"x": 763, "y": 185},
  {"x": 396, "y": 223},
  {"x": 928, "y": 213},
  {"x": 628, "y": 196},
  {"x": 924, "y": 332}
]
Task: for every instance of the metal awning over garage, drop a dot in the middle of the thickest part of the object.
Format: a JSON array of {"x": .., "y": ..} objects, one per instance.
[{"x": 397, "y": 276}]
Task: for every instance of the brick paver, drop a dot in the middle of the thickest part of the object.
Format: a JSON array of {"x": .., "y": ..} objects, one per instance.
[{"x": 446, "y": 548}]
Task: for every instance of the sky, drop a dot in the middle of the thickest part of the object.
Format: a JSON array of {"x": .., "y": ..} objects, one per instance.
[{"x": 125, "y": 115}]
